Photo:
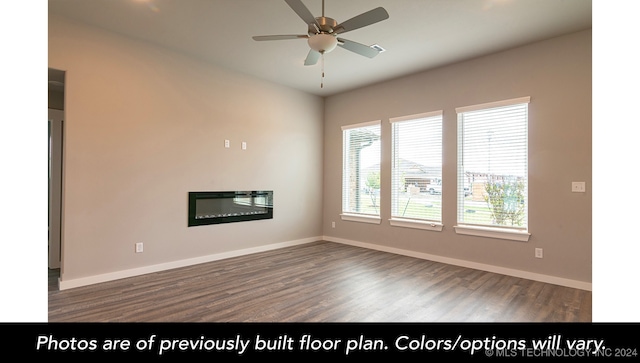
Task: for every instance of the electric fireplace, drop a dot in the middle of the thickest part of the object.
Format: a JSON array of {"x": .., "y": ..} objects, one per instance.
[{"x": 229, "y": 207}]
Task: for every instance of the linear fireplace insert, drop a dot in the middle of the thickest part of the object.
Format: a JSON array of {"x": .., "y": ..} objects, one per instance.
[{"x": 229, "y": 206}]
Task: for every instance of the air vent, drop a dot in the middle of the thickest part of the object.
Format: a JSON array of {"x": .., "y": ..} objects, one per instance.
[{"x": 378, "y": 48}]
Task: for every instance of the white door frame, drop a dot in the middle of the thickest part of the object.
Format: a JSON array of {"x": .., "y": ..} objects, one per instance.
[{"x": 55, "y": 188}]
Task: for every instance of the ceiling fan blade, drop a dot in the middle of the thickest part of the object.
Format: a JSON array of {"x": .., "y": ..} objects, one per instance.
[
  {"x": 312, "y": 58},
  {"x": 362, "y": 20},
  {"x": 279, "y": 37},
  {"x": 358, "y": 48},
  {"x": 303, "y": 12}
]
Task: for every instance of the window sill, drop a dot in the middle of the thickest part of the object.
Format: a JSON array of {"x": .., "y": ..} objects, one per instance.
[
  {"x": 493, "y": 232},
  {"x": 361, "y": 218},
  {"x": 412, "y": 223}
]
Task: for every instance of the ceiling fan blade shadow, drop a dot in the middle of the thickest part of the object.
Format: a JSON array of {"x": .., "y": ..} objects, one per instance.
[
  {"x": 362, "y": 20},
  {"x": 303, "y": 12},
  {"x": 358, "y": 48},
  {"x": 279, "y": 37},
  {"x": 312, "y": 58}
]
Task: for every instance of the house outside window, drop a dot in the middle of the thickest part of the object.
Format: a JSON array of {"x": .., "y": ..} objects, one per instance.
[
  {"x": 493, "y": 169},
  {"x": 361, "y": 172},
  {"x": 416, "y": 171}
]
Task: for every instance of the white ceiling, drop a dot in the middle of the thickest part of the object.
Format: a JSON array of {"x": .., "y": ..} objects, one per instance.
[{"x": 419, "y": 34}]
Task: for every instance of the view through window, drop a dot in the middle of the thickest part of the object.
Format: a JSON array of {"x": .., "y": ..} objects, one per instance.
[
  {"x": 361, "y": 169},
  {"x": 417, "y": 167},
  {"x": 492, "y": 164}
]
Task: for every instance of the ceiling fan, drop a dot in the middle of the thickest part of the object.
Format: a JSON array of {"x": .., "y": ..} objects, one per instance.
[{"x": 323, "y": 32}]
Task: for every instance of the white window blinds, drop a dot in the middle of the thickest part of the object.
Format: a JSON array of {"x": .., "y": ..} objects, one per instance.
[
  {"x": 361, "y": 169},
  {"x": 492, "y": 164},
  {"x": 416, "y": 170}
]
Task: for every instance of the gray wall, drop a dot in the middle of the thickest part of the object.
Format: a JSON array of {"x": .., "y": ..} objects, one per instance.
[
  {"x": 144, "y": 126},
  {"x": 556, "y": 74}
]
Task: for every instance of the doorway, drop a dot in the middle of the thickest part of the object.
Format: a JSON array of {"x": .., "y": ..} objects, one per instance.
[
  {"x": 55, "y": 186},
  {"x": 55, "y": 165}
]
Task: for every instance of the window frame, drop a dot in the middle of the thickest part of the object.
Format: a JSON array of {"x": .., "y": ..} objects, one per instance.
[
  {"x": 346, "y": 214},
  {"x": 491, "y": 231},
  {"x": 408, "y": 222}
]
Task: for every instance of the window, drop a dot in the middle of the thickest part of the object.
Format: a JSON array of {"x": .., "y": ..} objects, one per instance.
[
  {"x": 361, "y": 172},
  {"x": 492, "y": 169},
  {"x": 416, "y": 171}
]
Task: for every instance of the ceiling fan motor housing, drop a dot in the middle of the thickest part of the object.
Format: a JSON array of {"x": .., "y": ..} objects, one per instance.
[{"x": 326, "y": 24}]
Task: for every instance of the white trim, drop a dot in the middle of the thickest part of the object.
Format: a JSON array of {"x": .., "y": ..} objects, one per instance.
[
  {"x": 493, "y": 232},
  {"x": 482, "y": 106},
  {"x": 582, "y": 285},
  {"x": 363, "y": 218},
  {"x": 416, "y": 116},
  {"x": 362, "y": 124},
  {"x": 95, "y": 279},
  {"x": 413, "y": 223}
]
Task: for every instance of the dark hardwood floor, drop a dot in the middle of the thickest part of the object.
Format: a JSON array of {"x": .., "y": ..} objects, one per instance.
[{"x": 320, "y": 282}]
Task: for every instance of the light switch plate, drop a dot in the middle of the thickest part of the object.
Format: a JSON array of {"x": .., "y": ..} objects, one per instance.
[{"x": 578, "y": 187}]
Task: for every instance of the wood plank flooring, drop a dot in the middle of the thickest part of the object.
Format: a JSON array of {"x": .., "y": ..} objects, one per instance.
[{"x": 320, "y": 282}]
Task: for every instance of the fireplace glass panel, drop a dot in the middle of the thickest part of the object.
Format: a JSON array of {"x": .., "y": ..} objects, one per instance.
[{"x": 230, "y": 206}]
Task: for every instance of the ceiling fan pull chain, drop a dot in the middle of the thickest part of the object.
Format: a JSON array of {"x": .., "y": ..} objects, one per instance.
[{"x": 322, "y": 65}]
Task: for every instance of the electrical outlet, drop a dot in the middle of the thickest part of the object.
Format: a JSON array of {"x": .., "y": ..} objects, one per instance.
[
  {"x": 139, "y": 247},
  {"x": 227, "y": 143},
  {"x": 333, "y": 224},
  {"x": 538, "y": 252}
]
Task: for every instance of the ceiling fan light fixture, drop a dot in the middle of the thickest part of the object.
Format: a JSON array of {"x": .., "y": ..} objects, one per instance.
[{"x": 322, "y": 42}]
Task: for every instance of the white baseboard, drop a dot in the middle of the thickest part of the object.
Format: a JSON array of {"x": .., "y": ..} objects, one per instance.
[
  {"x": 84, "y": 281},
  {"x": 464, "y": 263}
]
